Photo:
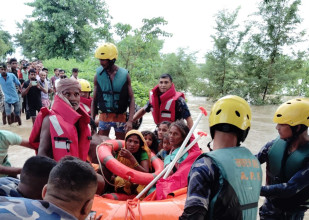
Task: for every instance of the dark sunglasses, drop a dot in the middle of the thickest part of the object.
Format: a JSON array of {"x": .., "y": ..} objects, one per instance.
[{"x": 63, "y": 77}]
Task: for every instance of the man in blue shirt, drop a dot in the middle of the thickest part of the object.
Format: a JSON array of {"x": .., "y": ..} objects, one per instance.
[{"x": 8, "y": 82}]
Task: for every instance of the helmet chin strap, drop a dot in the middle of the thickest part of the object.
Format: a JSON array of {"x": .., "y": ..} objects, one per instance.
[{"x": 208, "y": 145}]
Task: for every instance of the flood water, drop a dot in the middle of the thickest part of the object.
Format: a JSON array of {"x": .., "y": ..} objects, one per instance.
[
  {"x": 262, "y": 130},
  {"x": 262, "y": 127}
]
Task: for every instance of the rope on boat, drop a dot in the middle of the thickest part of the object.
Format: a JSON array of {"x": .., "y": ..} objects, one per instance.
[
  {"x": 100, "y": 165},
  {"x": 131, "y": 204}
]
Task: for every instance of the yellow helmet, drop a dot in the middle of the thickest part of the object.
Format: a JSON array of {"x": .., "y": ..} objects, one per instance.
[
  {"x": 232, "y": 110},
  {"x": 107, "y": 51},
  {"x": 85, "y": 85},
  {"x": 293, "y": 112}
]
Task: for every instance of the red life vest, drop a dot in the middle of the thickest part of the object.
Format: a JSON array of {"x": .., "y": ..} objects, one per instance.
[
  {"x": 86, "y": 103},
  {"x": 166, "y": 110},
  {"x": 64, "y": 136}
]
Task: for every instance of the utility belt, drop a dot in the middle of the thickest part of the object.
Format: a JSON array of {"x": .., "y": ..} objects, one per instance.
[{"x": 113, "y": 117}]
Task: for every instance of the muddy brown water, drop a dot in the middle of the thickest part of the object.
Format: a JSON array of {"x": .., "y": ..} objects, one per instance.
[{"x": 262, "y": 130}]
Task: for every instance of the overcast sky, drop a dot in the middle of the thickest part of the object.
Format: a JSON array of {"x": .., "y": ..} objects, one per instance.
[{"x": 190, "y": 22}]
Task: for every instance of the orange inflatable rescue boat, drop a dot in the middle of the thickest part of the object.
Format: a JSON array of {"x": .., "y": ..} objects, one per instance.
[
  {"x": 110, "y": 208},
  {"x": 105, "y": 156},
  {"x": 167, "y": 209}
]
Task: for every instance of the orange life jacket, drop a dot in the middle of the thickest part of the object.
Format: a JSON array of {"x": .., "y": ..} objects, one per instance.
[
  {"x": 166, "y": 110},
  {"x": 86, "y": 103},
  {"x": 65, "y": 138}
]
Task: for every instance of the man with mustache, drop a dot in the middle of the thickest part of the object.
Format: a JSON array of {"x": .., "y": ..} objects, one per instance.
[{"x": 63, "y": 130}]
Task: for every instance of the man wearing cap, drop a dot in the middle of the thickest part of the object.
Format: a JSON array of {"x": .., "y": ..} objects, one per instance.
[
  {"x": 112, "y": 94},
  {"x": 63, "y": 130}
]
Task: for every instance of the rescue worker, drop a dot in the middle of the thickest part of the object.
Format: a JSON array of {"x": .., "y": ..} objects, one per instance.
[
  {"x": 225, "y": 183},
  {"x": 63, "y": 130},
  {"x": 85, "y": 99},
  {"x": 33, "y": 177},
  {"x": 65, "y": 196},
  {"x": 165, "y": 103},
  {"x": 112, "y": 93},
  {"x": 287, "y": 164}
]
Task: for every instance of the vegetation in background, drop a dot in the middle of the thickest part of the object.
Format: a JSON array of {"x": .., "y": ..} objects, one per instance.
[
  {"x": 272, "y": 68},
  {"x": 6, "y": 44},
  {"x": 63, "y": 28},
  {"x": 221, "y": 62},
  {"x": 139, "y": 49},
  {"x": 87, "y": 70},
  {"x": 257, "y": 62}
]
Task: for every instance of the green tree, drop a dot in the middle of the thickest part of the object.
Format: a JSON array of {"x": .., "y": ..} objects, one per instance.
[
  {"x": 182, "y": 67},
  {"x": 139, "y": 49},
  {"x": 277, "y": 27},
  {"x": 221, "y": 61},
  {"x": 63, "y": 28},
  {"x": 6, "y": 45}
]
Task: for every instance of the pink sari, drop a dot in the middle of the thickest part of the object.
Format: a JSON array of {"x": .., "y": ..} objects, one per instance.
[{"x": 179, "y": 179}]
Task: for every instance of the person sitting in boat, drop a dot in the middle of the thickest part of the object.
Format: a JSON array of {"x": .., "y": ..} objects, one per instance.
[
  {"x": 177, "y": 132},
  {"x": 151, "y": 141},
  {"x": 225, "y": 183},
  {"x": 166, "y": 147},
  {"x": 178, "y": 178},
  {"x": 33, "y": 177},
  {"x": 68, "y": 194},
  {"x": 135, "y": 155},
  {"x": 162, "y": 130}
]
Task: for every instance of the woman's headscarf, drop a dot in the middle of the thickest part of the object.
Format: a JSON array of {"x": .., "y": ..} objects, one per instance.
[{"x": 144, "y": 147}]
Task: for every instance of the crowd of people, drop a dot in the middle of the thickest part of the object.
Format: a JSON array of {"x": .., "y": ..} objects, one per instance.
[{"x": 69, "y": 123}]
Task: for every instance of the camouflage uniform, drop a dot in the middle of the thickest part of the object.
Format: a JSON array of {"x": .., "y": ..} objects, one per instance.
[
  {"x": 8, "y": 187},
  {"x": 22, "y": 208},
  {"x": 283, "y": 190},
  {"x": 203, "y": 173}
]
